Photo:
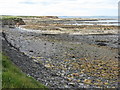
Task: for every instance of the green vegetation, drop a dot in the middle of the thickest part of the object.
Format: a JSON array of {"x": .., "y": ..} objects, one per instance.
[
  {"x": 15, "y": 18},
  {"x": 8, "y": 17},
  {"x": 71, "y": 49},
  {"x": 12, "y": 77}
]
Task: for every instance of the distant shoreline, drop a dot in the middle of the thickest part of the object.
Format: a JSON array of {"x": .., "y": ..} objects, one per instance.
[{"x": 100, "y": 17}]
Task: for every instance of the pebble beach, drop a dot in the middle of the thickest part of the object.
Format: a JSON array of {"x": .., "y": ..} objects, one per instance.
[{"x": 64, "y": 60}]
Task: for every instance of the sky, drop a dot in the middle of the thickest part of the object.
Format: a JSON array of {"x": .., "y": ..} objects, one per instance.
[{"x": 59, "y": 7}]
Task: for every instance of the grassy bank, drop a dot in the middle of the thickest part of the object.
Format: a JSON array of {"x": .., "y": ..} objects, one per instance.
[
  {"x": 12, "y": 77},
  {"x": 8, "y": 17}
]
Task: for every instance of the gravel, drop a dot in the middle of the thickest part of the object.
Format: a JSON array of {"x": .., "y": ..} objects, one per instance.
[{"x": 52, "y": 58}]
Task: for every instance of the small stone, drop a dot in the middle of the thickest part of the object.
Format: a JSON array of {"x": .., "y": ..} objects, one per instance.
[
  {"x": 88, "y": 81},
  {"x": 98, "y": 80},
  {"x": 95, "y": 83},
  {"x": 98, "y": 84},
  {"x": 39, "y": 57},
  {"x": 81, "y": 84},
  {"x": 78, "y": 80},
  {"x": 69, "y": 79},
  {"x": 47, "y": 65},
  {"x": 46, "y": 61},
  {"x": 33, "y": 57},
  {"x": 113, "y": 87},
  {"x": 106, "y": 83},
  {"x": 75, "y": 74},
  {"x": 66, "y": 86},
  {"x": 35, "y": 60},
  {"x": 71, "y": 83},
  {"x": 31, "y": 51}
]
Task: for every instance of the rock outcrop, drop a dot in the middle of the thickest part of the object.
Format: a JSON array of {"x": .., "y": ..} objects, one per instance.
[{"x": 11, "y": 22}]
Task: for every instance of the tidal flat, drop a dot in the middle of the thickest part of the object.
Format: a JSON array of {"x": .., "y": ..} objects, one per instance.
[{"x": 65, "y": 56}]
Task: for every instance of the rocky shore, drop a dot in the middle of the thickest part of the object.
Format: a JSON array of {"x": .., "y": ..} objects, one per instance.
[
  {"x": 77, "y": 26},
  {"x": 64, "y": 60}
]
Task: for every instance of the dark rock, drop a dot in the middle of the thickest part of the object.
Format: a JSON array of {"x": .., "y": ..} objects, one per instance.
[
  {"x": 31, "y": 51},
  {"x": 102, "y": 44},
  {"x": 11, "y": 22}
]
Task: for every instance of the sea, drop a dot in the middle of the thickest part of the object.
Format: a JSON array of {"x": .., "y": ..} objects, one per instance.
[{"x": 109, "y": 20}]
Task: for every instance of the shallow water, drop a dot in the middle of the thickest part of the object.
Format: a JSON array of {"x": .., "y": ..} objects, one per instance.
[
  {"x": 100, "y": 22},
  {"x": 113, "y": 21}
]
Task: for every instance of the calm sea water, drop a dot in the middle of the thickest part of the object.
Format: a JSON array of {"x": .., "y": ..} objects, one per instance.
[
  {"x": 113, "y": 21},
  {"x": 103, "y": 17}
]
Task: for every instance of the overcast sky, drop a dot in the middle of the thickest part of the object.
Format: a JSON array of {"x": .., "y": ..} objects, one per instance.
[{"x": 59, "y": 7}]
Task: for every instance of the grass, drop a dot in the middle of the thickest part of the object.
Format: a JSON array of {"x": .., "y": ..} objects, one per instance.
[
  {"x": 7, "y": 17},
  {"x": 10, "y": 16},
  {"x": 12, "y": 77},
  {"x": 2, "y": 17}
]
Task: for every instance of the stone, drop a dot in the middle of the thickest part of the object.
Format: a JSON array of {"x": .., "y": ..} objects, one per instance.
[
  {"x": 75, "y": 74},
  {"x": 87, "y": 81},
  {"x": 71, "y": 83}
]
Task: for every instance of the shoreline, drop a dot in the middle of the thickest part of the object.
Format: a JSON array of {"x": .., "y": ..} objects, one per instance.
[
  {"x": 80, "y": 32},
  {"x": 93, "y": 38},
  {"x": 64, "y": 56},
  {"x": 54, "y": 49}
]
